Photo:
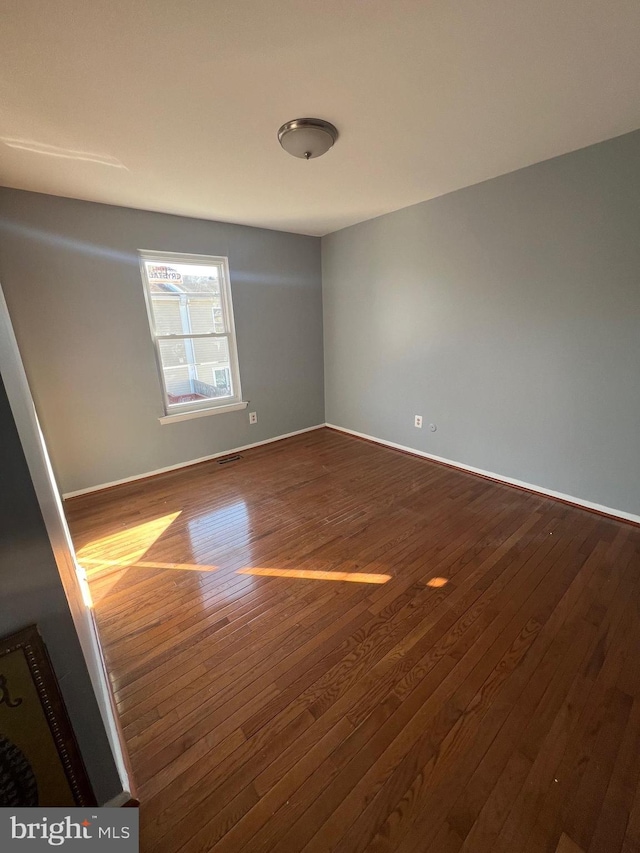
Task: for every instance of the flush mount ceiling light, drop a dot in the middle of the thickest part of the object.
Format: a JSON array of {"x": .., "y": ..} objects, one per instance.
[{"x": 307, "y": 138}]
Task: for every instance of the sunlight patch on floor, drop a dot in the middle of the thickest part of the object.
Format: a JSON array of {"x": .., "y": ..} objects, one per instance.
[
  {"x": 308, "y": 574},
  {"x": 125, "y": 547},
  {"x": 144, "y": 564}
]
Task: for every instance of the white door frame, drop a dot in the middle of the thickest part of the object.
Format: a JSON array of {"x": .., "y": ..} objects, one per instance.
[{"x": 71, "y": 574}]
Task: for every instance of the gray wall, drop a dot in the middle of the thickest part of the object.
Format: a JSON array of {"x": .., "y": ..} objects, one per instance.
[
  {"x": 508, "y": 313},
  {"x": 72, "y": 283},
  {"x": 31, "y": 593}
]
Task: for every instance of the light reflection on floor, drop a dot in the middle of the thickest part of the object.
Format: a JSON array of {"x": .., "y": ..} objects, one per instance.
[
  {"x": 125, "y": 547},
  {"x": 225, "y": 529},
  {"x": 310, "y": 574},
  {"x": 106, "y": 560}
]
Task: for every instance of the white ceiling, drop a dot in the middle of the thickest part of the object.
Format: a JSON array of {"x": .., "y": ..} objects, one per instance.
[{"x": 174, "y": 106}]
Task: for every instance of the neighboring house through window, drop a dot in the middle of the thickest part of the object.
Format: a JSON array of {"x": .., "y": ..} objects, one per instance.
[{"x": 191, "y": 320}]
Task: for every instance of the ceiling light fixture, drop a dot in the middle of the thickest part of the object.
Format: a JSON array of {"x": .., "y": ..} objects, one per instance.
[{"x": 307, "y": 138}]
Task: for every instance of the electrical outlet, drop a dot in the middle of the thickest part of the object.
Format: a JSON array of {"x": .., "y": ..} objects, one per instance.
[
  {"x": 418, "y": 421},
  {"x": 253, "y": 417}
]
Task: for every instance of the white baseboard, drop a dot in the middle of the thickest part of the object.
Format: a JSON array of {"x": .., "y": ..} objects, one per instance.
[
  {"x": 605, "y": 510},
  {"x": 119, "y": 800},
  {"x": 500, "y": 478},
  {"x": 229, "y": 452}
]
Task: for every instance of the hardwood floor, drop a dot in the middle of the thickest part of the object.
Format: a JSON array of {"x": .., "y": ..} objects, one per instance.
[{"x": 468, "y": 682}]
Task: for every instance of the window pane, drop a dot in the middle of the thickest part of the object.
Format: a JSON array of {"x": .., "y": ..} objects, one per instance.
[
  {"x": 173, "y": 353},
  {"x": 186, "y": 298},
  {"x": 166, "y": 312},
  {"x": 205, "y": 315},
  {"x": 196, "y": 369},
  {"x": 189, "y": 301},
  {"x": 213, "y": 351},
  {"x": 177, "y": 383}
]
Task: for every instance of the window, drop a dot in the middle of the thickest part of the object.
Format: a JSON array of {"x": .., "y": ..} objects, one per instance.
[{"x": 191, "y": 319}]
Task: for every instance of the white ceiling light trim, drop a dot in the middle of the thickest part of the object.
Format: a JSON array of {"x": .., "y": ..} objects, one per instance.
[{"x": 307, "y": 138}]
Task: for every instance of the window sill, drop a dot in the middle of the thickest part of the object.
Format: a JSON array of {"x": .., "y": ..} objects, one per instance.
[{"x": 200, "y": 413}]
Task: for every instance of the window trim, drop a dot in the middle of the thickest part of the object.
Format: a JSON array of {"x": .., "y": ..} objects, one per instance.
[
  {"x": 200, "y": 413},
  {"x": 184, "y": 411}
]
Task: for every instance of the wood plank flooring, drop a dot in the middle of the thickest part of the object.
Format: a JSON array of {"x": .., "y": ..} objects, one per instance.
[{"x": 333, "y": 646}]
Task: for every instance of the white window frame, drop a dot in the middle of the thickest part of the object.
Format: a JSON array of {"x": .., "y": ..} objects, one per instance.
[{"x": 184, "y": 411}]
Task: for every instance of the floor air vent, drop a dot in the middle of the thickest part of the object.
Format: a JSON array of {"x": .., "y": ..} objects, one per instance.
[{"x": 227, "y": 459}]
